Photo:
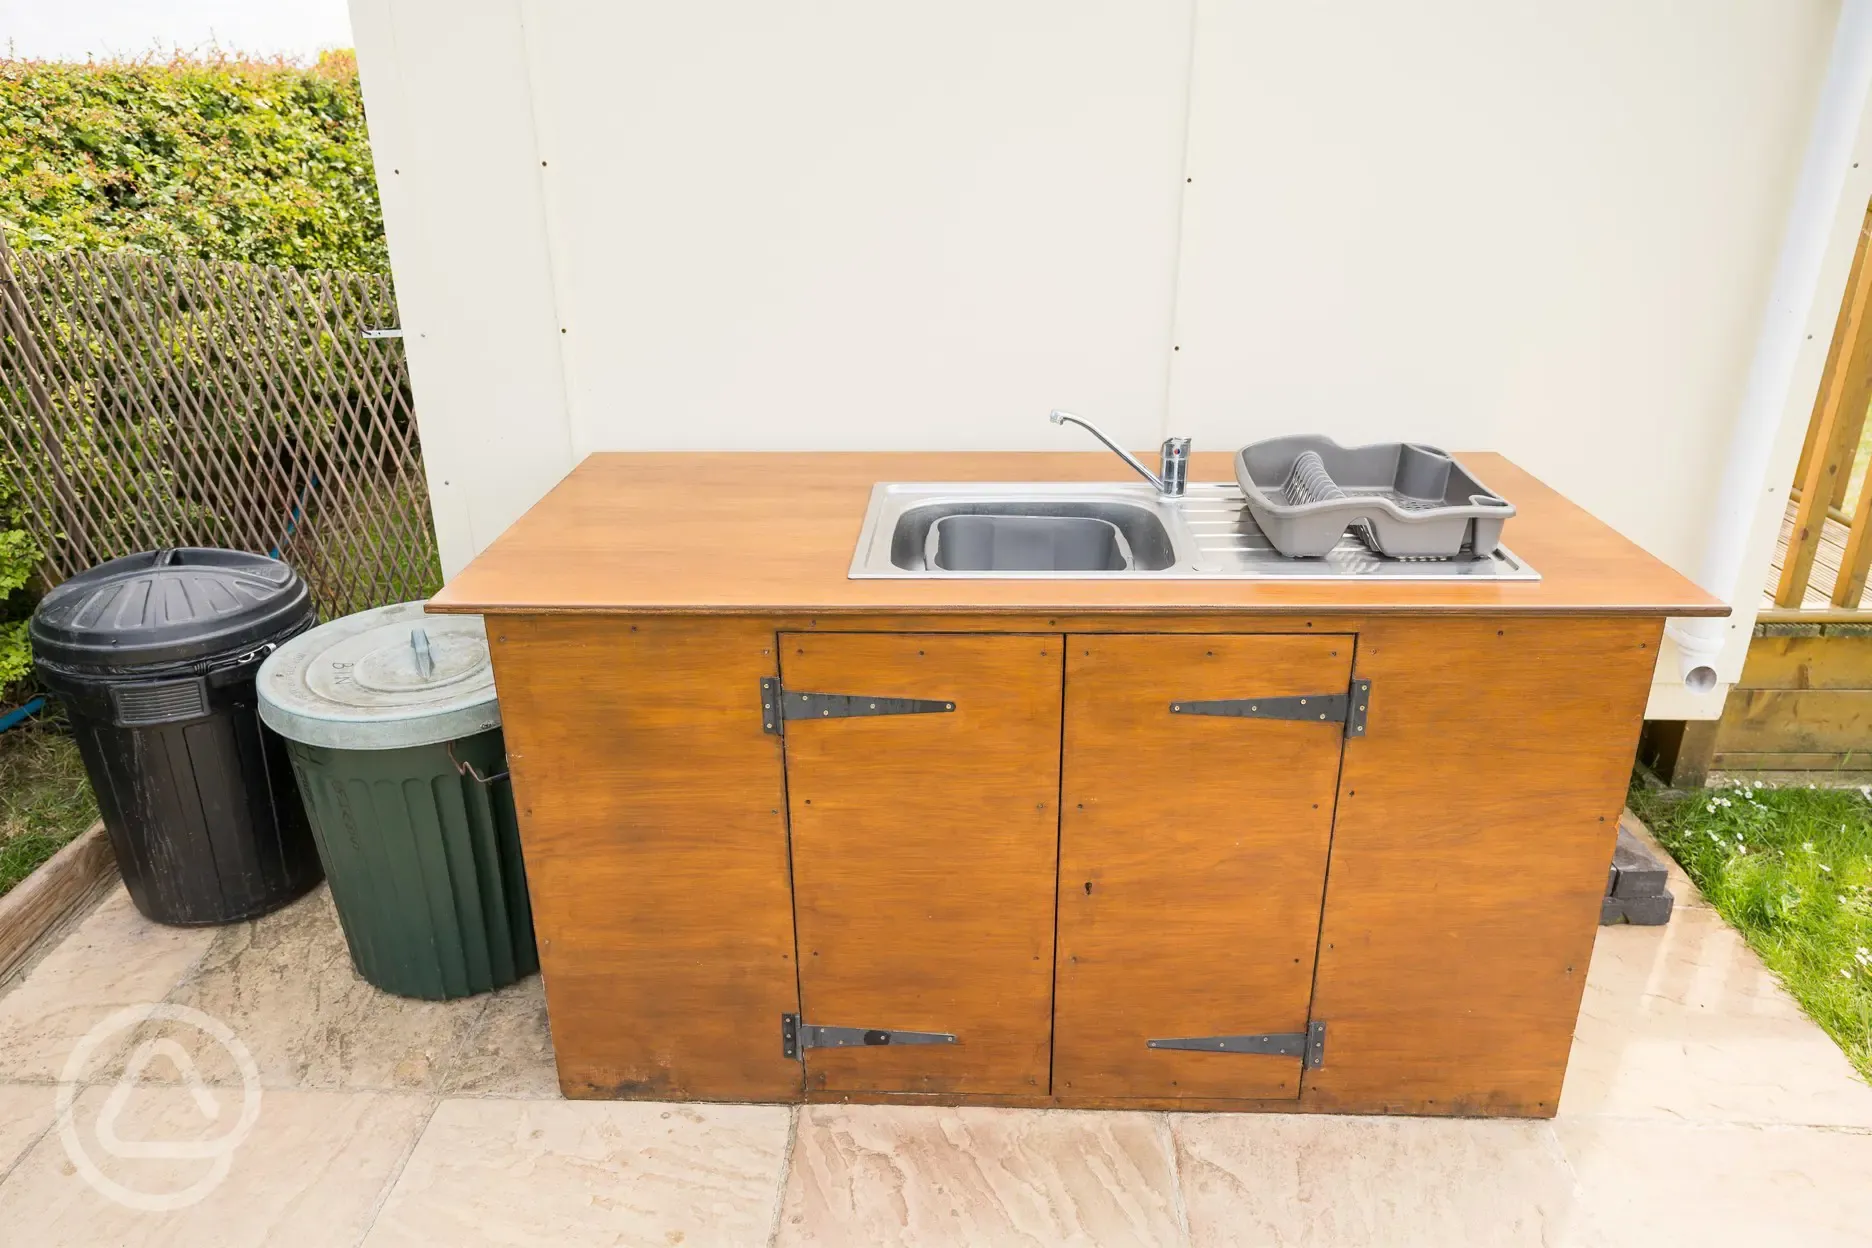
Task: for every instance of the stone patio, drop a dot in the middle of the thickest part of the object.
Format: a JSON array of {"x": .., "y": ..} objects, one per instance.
[{"x": 1701, "y": 1107}]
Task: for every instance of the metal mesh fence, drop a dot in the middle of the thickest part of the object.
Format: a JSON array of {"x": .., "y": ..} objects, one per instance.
[{"x": 148, "y": 402}]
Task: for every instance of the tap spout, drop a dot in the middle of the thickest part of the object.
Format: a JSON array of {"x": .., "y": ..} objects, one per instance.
[{"x": 1176, "y": 451}]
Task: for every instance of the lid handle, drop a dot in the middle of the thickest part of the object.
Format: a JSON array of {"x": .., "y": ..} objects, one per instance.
[{"x": 425, "y": 661}]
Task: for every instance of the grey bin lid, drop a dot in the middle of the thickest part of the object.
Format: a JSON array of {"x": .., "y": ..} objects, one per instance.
[{"x": 383, "y": 679}]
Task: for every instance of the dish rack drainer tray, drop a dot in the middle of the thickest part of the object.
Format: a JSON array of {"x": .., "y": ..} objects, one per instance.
[{"x": 1409, "y": 501}]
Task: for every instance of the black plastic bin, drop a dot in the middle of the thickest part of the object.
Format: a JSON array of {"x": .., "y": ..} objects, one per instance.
[{"x": 154, "y": 656}]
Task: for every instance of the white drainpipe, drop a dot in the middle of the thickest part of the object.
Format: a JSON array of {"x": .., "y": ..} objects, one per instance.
[{"x": 1783, "y": 330}]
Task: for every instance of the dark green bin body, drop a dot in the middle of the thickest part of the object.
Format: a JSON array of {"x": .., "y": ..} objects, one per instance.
[{"x": 424, "y": 863}]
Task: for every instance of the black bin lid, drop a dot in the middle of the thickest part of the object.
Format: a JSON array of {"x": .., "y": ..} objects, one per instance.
[{"x": 164, "y": 607}]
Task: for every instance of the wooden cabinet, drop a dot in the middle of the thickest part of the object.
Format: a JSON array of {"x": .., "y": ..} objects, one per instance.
[
  {"x": 701, "y": 872},
  {"x": 1057, "y": 866},
  {"x": 925, "y": 857},
  {"x": 1062, "y": 869},
  {"x": 1192, "y": 860},
  {"x": 928, "y": 842}
]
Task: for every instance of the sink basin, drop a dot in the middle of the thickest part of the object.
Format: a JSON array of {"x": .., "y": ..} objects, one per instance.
[
  {"x": 1030, "y": 534},
  {"x": 1023, "y": 543},
  {"x": 1116, "y": 531}
]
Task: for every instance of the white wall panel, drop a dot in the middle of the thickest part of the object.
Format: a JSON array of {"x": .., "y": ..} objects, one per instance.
[
  {"x": 449, "y": 102},
  {"x": 843, "y": 223},
  {"x": 1544, "y": 229},
  {"x": 1540, "y": 228}
]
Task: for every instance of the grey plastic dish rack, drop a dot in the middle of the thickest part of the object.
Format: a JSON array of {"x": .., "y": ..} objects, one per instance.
[{"x": 1410, "y": 501}]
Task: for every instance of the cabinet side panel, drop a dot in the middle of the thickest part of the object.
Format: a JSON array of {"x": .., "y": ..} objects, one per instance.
[
  {"x": 650, "y": 813},
  {"x": 1475, "y": 822}
]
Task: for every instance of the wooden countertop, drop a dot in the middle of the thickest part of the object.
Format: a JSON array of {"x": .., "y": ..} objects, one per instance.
[{"x": 774, "y": 532}]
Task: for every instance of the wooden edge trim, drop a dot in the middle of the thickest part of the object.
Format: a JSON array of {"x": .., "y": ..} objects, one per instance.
[
  {"x": 1356, "y": 610},
  {"x": 47, "y": 897}
]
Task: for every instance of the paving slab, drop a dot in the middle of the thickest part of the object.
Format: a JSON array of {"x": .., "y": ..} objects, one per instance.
[
  {"x": 891, "y": 1174},
  {"x": 310, "y": 1174},
  {"x": 588, "y": 1173},
  {"x": 1684, "y": 1023},
  {"x": 1652, "y": 1183},
  {"x": 114, "y": 959},
  {"x": 1302, "y": 1180}
]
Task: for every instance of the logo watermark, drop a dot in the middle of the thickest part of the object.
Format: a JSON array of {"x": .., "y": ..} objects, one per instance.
[{"x": 218, "y": 1151}]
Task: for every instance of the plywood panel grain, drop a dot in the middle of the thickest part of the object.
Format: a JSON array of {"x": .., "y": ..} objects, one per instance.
[
  {"x": 1475, "y": 822},
  {"x": 652, "y": 821},
  {"x": 1192, "y": 859},
  {"x": 924, "y": 857},
  {"x": 1461, "y": 899}
]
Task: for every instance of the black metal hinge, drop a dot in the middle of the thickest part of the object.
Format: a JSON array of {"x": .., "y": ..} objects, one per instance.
[
  {"x": 1347, "y": 708},
  {"x": 779, "y": 705},
  {"x": 796, "y": 1037},
  {"x": 1309, "y": 1045}
]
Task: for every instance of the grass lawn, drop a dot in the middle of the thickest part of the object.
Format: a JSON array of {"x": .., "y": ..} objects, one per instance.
[
  {"x": 45, "y": 799},
  {"x": 1791, "y": 869}
]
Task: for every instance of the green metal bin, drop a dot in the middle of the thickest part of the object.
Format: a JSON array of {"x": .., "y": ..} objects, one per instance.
[{"x": 392, "y": 723}]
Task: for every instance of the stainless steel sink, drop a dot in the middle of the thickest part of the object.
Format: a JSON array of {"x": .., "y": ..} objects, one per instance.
[
  {"x": 971, "y": 530},
  {"x": 1024, "y": 543},
  {"x": 1029, "y": 534}
]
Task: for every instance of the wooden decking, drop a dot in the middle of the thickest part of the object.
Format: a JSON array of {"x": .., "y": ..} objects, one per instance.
[{"x": 1826, "y": 566}]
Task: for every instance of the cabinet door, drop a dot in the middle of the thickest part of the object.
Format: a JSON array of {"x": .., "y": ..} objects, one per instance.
[
  {"x": 1192, "y": 861},
  {"x": 924, "y": 857}
]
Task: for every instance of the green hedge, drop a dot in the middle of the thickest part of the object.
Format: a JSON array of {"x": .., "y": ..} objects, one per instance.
[
  {"x": 217, "y": 159},
  {"x": 19, "y": 559},
  {"x": 223, "y": 160}
]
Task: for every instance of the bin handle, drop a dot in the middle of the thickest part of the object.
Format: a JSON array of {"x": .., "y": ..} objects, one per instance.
[
  {"x": 425, "y": 658},
  {"x": 468, "y": 769},
  {"x": 218, "y": 676}
]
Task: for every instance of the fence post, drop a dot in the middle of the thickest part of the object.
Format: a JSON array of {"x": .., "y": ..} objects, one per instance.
[{"x": 19, "y": 319}]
